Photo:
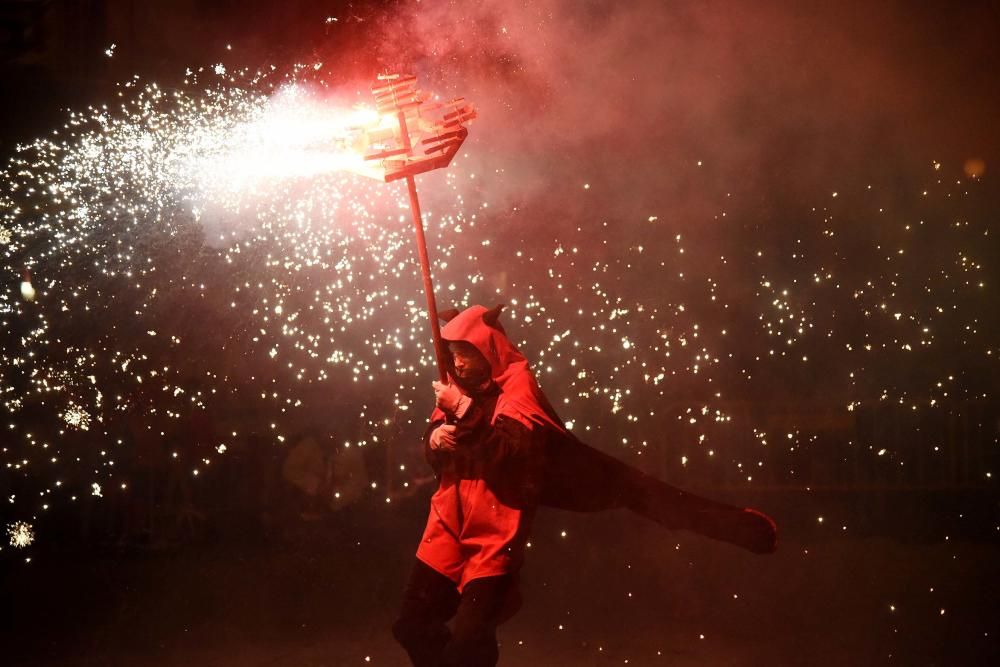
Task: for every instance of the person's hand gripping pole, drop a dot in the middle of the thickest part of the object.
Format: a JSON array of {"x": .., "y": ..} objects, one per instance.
[
  {"x": 453, "y": 403},
  {"x": 451, "y": 400}
]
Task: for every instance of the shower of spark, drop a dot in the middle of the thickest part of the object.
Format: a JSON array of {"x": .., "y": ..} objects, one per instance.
[
  {"x": 212, "y": 249},
  {"x": 20, "y": 534}
]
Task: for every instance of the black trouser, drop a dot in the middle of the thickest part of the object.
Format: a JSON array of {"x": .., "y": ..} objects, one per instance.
[{"x": 431, "y": 599}]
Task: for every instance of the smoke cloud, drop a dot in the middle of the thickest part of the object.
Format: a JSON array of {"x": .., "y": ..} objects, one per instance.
[{"x": 672, "y": 106}]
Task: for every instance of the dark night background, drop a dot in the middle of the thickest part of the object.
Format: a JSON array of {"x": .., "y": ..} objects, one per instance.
[{"x": 829, "y": 167}]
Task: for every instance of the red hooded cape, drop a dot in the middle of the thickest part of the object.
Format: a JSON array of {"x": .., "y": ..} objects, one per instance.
[
  {"x": 471, "y": 532},
  {"x": 520, "y": 398}
]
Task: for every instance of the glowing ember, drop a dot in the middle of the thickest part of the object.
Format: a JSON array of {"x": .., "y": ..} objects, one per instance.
[
  {"x": 21, "y": 535},
  {"x": 77, "y": 417}
]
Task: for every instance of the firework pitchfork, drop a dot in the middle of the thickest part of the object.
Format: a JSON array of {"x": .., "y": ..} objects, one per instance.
[{"x": 425, "y": 136}]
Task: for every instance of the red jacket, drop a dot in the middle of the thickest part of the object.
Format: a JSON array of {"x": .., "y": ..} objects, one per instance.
[{"x": 489, "y": 485}]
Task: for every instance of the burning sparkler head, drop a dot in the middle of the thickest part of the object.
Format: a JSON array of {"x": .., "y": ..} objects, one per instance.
[{"x": 415, "y": 134}]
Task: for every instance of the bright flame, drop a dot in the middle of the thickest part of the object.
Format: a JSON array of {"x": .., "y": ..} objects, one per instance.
[{"x": 287, "y": 136}]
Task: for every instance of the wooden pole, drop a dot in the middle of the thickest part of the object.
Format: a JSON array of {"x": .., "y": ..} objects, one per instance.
[{"x": 425, "y": 266}]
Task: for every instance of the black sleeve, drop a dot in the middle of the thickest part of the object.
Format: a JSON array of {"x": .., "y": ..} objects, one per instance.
[
  {"x": 470, "y": 427},
  {"x": 470, "y": 430},
  {"x": 511, "y": 459},
  {"x": 507, "y": 454},
  {"x": 490, "y": 444}
]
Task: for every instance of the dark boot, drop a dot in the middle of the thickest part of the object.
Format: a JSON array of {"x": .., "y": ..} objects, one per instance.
[
  {"x": 485, "y": 603},
  {"x": 429, "y": 600}
]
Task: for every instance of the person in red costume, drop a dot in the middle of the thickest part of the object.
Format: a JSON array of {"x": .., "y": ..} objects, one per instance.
[{"x": 499, "y": 451}]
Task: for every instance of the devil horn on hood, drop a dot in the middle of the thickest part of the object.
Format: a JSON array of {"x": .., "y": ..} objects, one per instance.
[
  {"x": 447, "y": 315},
  {"x": 492, "y": 316}
]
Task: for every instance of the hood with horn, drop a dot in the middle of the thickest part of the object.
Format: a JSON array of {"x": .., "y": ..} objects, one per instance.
[{"x": 520, "y": 398}]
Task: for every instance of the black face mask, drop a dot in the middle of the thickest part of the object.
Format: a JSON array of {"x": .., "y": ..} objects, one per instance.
[{"x": 472, "y": 382}]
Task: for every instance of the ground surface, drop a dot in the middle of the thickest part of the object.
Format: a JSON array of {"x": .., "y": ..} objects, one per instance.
[{"x": 613, "y": 591}]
